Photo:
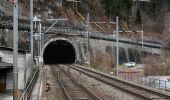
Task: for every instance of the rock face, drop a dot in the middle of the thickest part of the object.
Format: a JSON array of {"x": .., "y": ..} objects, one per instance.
[{"x": 6, "y": 9}]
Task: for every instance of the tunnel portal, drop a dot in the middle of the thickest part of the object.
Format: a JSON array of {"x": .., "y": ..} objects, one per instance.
[{"x": 59, "y": 52}]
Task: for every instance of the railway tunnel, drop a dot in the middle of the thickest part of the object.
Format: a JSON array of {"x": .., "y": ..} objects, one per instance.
[{"x": 59, "y": 52}]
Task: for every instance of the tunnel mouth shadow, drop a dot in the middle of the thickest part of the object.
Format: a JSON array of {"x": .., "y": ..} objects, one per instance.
[{"x": 59, "y": 52}]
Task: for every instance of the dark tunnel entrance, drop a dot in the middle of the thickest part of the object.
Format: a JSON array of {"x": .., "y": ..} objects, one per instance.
[{"x": 59, "y": 52}]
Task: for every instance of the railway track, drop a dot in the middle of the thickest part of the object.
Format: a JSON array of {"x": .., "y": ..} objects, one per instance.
[
  {"x": 55, "y": 92},
  {"x": 130, "y": 88},
  {"x": 71, "y": 87}
]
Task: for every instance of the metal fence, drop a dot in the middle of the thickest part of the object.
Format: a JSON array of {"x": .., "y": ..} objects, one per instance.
[
  {"x": 150, "y": 82},
  {"x": 28, "y": 89},
  {"x": 99, "y": 35}
]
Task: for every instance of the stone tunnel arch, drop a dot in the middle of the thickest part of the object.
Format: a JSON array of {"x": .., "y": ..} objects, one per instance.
[{"x": 59, "y": 51}]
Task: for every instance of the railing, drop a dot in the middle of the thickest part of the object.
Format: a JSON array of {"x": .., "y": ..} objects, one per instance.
[
  {"x": 150, "y": 82},
  {"x": 113, "y": 38},
  {"x": 28, "y": 89},
  {"x": 6, "y": 22}
]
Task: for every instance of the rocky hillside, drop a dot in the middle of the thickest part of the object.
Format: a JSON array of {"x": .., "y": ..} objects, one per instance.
[{"x": 152, "y": 16}]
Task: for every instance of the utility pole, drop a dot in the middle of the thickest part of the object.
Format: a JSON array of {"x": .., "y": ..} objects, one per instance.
[
  {"x": 15, "y": 51},
  {"x": 40, "y": 38},
  {"x": 88, "y": 41},
  {"x": 117, "y": 46},
  {"x": 142, "y": 35},
  {"x": 31, "y": 35},
  {"x": 117, "y": 40}
]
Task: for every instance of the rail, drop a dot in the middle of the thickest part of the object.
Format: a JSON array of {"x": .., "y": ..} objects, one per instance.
[
  {"x": 83, "y": 87},
  {"x": 75, "y": 82},
  {"x": 63, "y": 88},
  {"x": 125, "y": 85},
  {"x": 28, "y": 89}
]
